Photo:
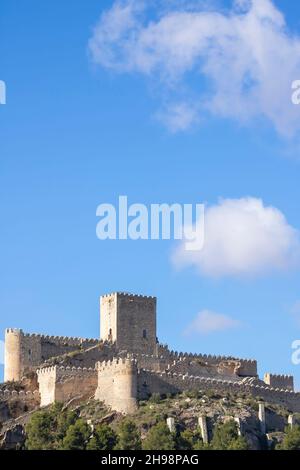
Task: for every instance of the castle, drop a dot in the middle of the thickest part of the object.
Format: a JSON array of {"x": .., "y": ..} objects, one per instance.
[{"x": 128, "y": 363}]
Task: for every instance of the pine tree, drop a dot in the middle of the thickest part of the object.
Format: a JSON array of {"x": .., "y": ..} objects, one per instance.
[
  {"x": 226, "y": 437},
  {"x": 128, "y": 436},
  {"x": 104, "y": 438},
  {"x": 159, "y": 438},
  {"x": 291, "y": 439},
  {"x": 77, "y": 436}
]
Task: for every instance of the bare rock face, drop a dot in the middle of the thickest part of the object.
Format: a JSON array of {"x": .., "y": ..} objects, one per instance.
[{"x": 13, "y": 439}]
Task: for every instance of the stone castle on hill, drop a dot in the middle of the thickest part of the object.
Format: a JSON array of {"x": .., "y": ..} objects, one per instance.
[{"x": 128, "y": 364}]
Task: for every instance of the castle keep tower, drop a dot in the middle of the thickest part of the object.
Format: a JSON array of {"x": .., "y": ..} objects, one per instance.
[{"x": 129, "y": 321}]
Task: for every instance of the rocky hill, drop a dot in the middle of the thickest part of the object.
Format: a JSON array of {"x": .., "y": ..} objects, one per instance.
[{"x": 185, "y": 410}]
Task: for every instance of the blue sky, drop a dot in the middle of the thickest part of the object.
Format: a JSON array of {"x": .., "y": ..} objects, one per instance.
[{"x": 77, "y": 132}]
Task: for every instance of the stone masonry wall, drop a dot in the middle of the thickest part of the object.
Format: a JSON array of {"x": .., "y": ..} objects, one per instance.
[
  {"x": 117, "y": 384},
  {"x": 65, "y": 383},
  {"x": 129, "y": 321},
  {"x": 150, "y": 382},
  {"x": 279, "y": 381},
  {"x": 25, "y": 352},
  {"x": 31, "y": 397},
  {"x": 246, "y": 367}
]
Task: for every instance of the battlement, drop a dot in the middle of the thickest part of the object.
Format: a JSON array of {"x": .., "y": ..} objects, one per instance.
[
  {"x": 246, "y": 367},
  {"x": 209, "y": 358},
  {"x": 215, "y": 381},
  {"x": 275, "y": 380},
  {"x": 59, "y": 383},
  {"x": 13, "y": 330},
  {"x": 118, "y": 363},
  {"x": 127, "y": 294},
  {"x": 24, "y": 352},
  {"x": 21, "y": 395},
  {"x": 53, "y": 339},
  {"x": 151, "y": 381},
  {"x": 65, "y": 370}
]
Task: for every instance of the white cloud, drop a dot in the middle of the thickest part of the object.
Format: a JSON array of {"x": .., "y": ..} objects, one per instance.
[
  {"x": 178, "y": 116},
  {"x": 246, "y": 56},
  {"x": 243, "y": 237},
  {"x": 1, "y": 352},
  {"x": 207, "y": 322}
]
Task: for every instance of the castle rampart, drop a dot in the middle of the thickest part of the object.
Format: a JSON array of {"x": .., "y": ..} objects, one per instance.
[
  {"x": 279, "y": 381},
  {"x": 246, "y": 367},
  {"x": 25, "y": 352},
  {"x": 65, "y": 383},
  {"x": 150, "y": 382},
  {"x": 20, "y": 395}
]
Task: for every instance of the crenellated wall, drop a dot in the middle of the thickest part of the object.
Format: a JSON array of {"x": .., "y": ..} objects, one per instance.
[
  {"x": 244, "y": 367},
  {"x": 25, "y": 352},
  {"x": 279, "y": 381},
  {"x": 117, "y": 384},
  {"x": 20, "y": 395},
  {"x": 62, "y": 384},
  {"x": 150, "y": 382}
]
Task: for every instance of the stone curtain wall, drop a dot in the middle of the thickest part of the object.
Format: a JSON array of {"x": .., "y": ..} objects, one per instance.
[
  {"x": 247, "y": 368},
  {"x": 25, "y": 352},
  {"x": 65, "y": 383},
  {"x": 279, "y": 381},
  {"x": 150, "y": 382},
  {"x": 30, "y": 397}
]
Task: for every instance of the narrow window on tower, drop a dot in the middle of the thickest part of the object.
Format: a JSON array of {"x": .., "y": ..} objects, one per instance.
[{"x": 144, "y": 334}]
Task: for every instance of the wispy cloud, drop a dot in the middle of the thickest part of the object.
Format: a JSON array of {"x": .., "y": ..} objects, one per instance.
[
  {"x": 236, "y": 64},
  {"x": 243, "y": 237},
  {"x": 207, "y": 322}
]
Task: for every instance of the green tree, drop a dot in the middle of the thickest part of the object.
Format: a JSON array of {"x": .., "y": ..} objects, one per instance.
[
  {"x": 226, "y": 437},
  {"x": 188, "y": 439},
  {"x": 159, "y": 438},
  {"x": 104, "y": 438},
  {"x": 64, "y": 421},
  {"x": 47, "y": 429},
  {"x": 39, "y": 432},
  {"x": 291, "y": 439},
  {"x": 77, "y": 436},
  {"x": 128, "y": 436}
]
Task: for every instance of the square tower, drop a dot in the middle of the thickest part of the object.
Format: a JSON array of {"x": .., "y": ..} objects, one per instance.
[{"x": 129, "y": 321}]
